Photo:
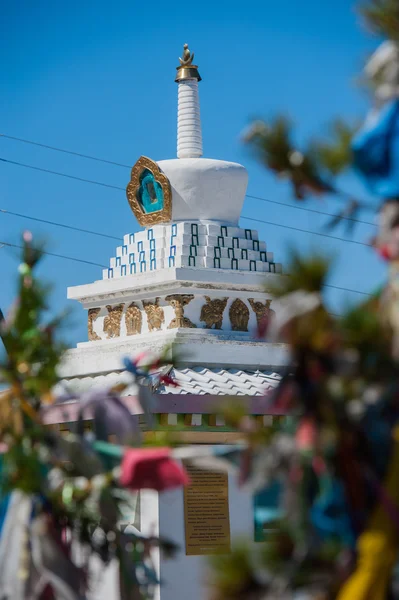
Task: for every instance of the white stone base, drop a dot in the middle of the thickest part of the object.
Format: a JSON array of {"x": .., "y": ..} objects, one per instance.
[{"x": 191, "y": 346}]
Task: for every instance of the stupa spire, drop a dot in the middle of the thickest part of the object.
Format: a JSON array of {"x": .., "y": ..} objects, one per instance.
[{"x": 189, "y": 134}]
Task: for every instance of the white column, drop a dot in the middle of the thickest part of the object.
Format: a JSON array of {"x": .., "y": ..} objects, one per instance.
[{"x": 189, "y": 135}]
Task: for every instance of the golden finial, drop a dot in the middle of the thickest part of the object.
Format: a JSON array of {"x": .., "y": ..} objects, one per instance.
[
  {"x": 186, "y": 69},
  {"x": 188, "y": 57}
]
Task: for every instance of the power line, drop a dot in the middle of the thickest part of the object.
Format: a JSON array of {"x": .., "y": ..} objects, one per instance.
[
  {"x": 19, "y": 164},
  {"x": 332, "y": 237},
  {"x": 119, "y": 188},
  {"x": 344, "y": 289},
  {"x": 15, "y": 214},
  {"x": 96, "y": 264},
  {"x": 113, "y": 237},
  {"x": 80, "y": 260},
  {"x": 111, "y": 162},
  {"x": 312, "y": 210},
  {"x": 103, "y": 160}
]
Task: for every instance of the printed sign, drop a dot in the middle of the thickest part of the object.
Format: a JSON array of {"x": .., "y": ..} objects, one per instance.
[{"x": 206, "y": 512}]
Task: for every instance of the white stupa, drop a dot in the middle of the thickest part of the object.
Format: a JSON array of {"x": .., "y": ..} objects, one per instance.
[{"x": 192, "y": 278}]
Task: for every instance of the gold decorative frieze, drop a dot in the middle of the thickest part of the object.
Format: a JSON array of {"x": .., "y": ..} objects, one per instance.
[
  {"x": 178, "y": 302},
  {"x": 239, "y": 315},
  {"x": 133, "y": 319},
  {"x": 149, "y": 193},
  {"x": 212, "y": 312},
  {"x": 262, "y": 311},
  {"x": 112, "y": 322},
  {"x": 92, "y": 316},
  {"x": 155, "y": 314}
]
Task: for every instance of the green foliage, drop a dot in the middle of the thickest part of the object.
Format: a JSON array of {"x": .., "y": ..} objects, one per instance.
[
  {"x": 335, "y": 155},
  {"x": 71, "y": 482},
  {"x": 32, "y": 349},
  {"x": 313, "y": 170},
  {"x": 342, "y": 387},
  {"x": 273, "y": 145},
  {"x": 310, "y": 169},
  {"x": 278, "y": 549},
  {"x": 361, "y": 326},
  {"x": 381, "y": 17},
  {"x": 233, "y": 575},
  {"x": 363, "y": 329},
  {"x": 274, "y": 141},
  {"x": 309, "y": 274}
]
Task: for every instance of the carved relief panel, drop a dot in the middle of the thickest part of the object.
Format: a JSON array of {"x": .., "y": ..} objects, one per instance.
[
  {"x": 133, "y": 319},
  {"x": 92, "y": 316},
  {"x": 239, "y": 315},
  {"x": 212, "y": 312},
  {"x": 112, "y": 322},
  {"x": 178, "y": 302},
  {"x": 155, "y": 314},
  {"x": 262, "y": 311},
  {"x": 211, "y": 315}
]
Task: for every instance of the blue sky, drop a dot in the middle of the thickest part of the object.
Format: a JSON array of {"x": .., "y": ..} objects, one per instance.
[{"x": 98, "y": 78}]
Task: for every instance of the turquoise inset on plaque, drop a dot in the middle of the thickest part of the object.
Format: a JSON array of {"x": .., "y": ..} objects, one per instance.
[{"x": 150, "y": 193}]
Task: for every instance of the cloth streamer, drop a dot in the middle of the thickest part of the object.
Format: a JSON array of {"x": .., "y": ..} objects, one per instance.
[
  {"x": 376, "y": 151},
  {"x": 379, "y": 544}
]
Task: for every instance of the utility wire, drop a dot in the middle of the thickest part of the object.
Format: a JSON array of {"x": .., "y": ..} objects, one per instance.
[
  {"x": 103, "y": 160},
  {"x": 80, "y": 260},
  {"x": 312, "y": 210},
  {"x": 344, "y": 289},
  {"x": 19, "y": 164},
  {"x": 336, "y": 287},
  {"x": 120, "y": 188},
  {"x": 15, "y": 214},
  {"x": 111, "y": 162},
  {"x": 333, "y": 237},
  {"x": 326, "y": 235}
]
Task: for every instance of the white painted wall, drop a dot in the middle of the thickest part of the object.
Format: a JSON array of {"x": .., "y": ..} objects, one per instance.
[
  {"x": 105, "y": 583},
  {"x": 189, "y": 134},
  {"x": 185, "y": 576},
  {"x": 206, "y": 189},
  {"x": 210, "y": 348}
]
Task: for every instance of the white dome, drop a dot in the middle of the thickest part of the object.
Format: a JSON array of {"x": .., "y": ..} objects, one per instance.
[{"x": 205, "y": 189}]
